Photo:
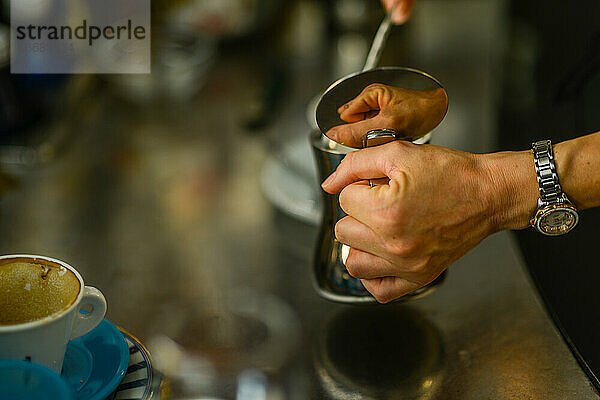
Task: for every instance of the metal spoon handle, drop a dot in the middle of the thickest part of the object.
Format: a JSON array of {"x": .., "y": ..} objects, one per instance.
[{"x": 379, "y": 40}]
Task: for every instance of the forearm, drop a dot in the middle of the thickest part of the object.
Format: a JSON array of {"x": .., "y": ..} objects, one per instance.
[
  {"x": 511, "y": 190},
  {"x": 578, "y": 168}
]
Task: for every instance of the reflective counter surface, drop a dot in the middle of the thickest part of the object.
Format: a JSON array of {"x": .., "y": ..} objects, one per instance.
[
  {"x": 162, "y": 209},
  {"x": 170, "y": 225}
]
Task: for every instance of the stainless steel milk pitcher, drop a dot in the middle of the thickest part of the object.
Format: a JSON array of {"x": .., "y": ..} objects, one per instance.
[{"x": 330, "y": 277}]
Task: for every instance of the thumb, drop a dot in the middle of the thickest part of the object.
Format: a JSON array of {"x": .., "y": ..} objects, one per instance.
[
  {"x": 356, "y": 166},
  {"x": 369, "y": 101}
]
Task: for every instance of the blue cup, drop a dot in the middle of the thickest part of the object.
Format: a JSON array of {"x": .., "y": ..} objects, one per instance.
[{"x": 22, "y": 380}]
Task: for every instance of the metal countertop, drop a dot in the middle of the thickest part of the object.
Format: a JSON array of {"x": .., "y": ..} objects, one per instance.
[
  {"x": 168, "y": 224},
  {"x": 161, "y": 208}
]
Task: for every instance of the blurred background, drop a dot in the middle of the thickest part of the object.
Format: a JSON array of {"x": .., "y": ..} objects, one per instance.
[{"x": 189, "y": 196}]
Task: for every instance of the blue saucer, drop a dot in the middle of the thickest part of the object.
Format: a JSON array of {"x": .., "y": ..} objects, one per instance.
[
  {"x": 95, "y": 363},
  {"x": 23, "y": 380}
]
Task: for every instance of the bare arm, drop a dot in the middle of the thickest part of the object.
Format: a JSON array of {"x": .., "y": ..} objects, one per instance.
[
  {"x": 578, "y": 167},
  {"x": 440, "y": 203}
]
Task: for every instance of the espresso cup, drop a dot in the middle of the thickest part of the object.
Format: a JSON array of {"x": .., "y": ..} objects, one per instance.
[{"x": 43, "y": 305}]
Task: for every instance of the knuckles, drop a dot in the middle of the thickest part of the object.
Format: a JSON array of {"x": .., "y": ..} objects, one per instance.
[
  {"x": 397, "y": 147},
  {"x": 344, "y": 199},
  {"x": 340, "y": 231},
  {"x": 403, "y": 248},
  {"x": 382, "y": 297},
  {"x": 376, "y": 87},
  {"x": 393, "y": 222},
  {"x": 348, "y": 160},
  {"x": 353, "y": 267},
  {"x": 421, "y": 267}
]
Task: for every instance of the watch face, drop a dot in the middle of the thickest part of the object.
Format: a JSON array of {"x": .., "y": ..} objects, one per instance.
[{"x": 558, "y": 221}]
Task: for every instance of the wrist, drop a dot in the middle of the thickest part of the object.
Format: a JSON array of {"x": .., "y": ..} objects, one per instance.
[
  {"x": 510, "y": 189},
  {"x": 576, "y": 182}
]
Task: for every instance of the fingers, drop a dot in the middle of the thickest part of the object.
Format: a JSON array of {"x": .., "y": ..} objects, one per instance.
[
  {"x": 364, "y": 164},
  {"x": 369, "y": 257},
  {"x": 357, "y": 199},
  {"x": 389, "y": 288},
  {"x": 402, "y": 11},
  {"x": 362, "y": 115},
  {"x": 355, "y": 234},
  {"x": 351, "y": 134},
  {"x": 379, "y": 181},
  {"x": 360, "y": 200},
  {"x": 368, "y": 100},
  {"x": 363, "y": 265}
]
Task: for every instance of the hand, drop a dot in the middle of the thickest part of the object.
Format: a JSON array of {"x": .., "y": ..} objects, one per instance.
[
  {"x": 403, "y": 9},
  {"x": 439, "y": 203},
  {"x": 413, "y": 113}
]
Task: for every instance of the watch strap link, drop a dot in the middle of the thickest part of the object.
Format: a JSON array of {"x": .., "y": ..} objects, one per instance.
[{"x": 543, "y": 156}]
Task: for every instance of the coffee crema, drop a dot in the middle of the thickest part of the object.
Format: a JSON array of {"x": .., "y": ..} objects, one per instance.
[{"x": 32, "y": 290}]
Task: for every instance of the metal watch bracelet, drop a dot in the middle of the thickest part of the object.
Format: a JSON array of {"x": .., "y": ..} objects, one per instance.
[
  {"x": 543, "y": 157},
  {"x": 555, "y": 215}
]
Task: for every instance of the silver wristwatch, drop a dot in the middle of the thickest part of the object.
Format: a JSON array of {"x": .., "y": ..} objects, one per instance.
[{"x": 555, "y": 215}]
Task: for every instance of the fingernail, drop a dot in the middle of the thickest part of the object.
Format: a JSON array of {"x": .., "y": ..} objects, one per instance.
[{"x": 332, "y": 135}]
